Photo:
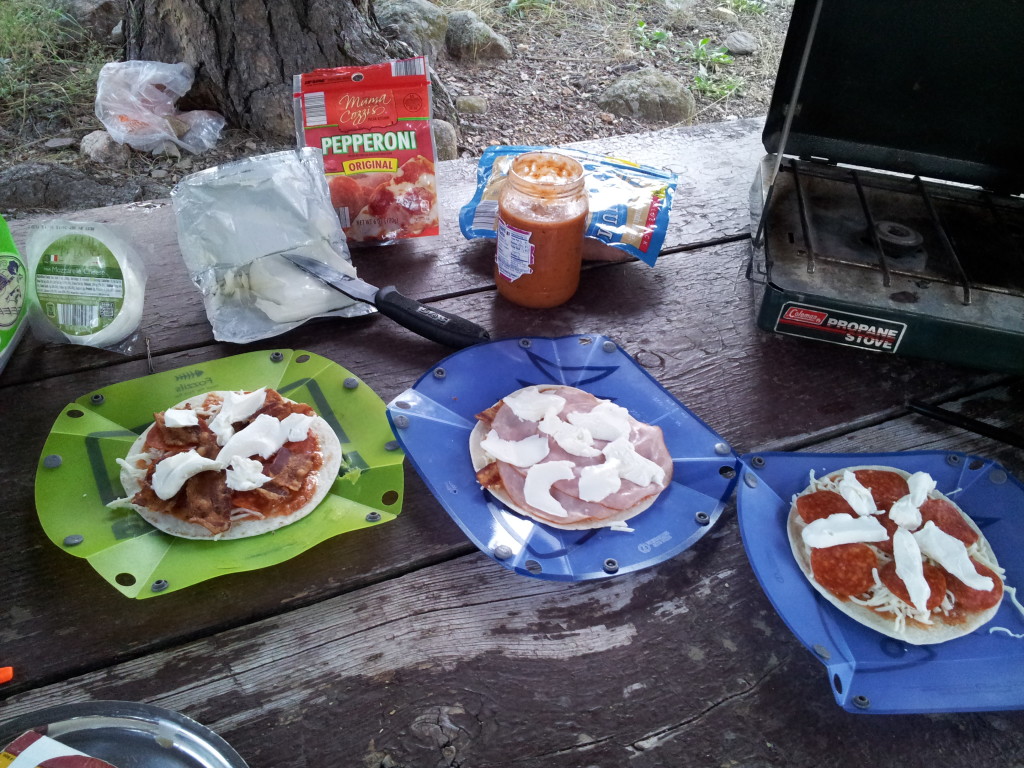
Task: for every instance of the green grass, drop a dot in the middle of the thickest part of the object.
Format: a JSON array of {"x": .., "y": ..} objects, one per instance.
[
  {"x": 48, "y": 67},
  {"x": 716, "y": 86},
  {"x": 650, "y": 38},
  {"x": 748, "y": 7},
  {"x": 708, "y": 56},
  {"x": 521, "y": 8}
]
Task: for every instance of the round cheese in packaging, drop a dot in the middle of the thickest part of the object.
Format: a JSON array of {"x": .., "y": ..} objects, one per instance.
[{"x": 87, "y": 285}]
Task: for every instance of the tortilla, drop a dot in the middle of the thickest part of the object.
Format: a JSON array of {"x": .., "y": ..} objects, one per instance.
[
  {"x": 133, "y": 474},
  {"x": 874, "y": 608},
  {"x": 604, "y": 517}
]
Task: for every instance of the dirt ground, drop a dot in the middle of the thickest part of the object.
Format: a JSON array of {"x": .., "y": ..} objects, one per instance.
[{"x": 546, "y": 94}]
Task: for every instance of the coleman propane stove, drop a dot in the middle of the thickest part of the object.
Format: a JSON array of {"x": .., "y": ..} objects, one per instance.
[{"x": 888, "y": 216}]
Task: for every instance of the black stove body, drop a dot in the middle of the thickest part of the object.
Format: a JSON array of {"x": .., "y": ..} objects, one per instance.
[{"x": 888, "y": 214}]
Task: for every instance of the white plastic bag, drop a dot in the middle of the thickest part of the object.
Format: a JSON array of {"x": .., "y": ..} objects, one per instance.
[{"x": 135, "y": 102}]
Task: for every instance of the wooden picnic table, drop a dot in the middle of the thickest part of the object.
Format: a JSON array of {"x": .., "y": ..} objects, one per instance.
[{"x": 402, "y": 644}]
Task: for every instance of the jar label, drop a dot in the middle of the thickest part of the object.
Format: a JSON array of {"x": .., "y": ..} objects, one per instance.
[
  {"x": 515, "y": 251},
  {"x": 79, "y": 284}
]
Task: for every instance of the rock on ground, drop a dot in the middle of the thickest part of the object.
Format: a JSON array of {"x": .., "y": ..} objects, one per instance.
[
  {"x": 101, "y": 148},
  {"x": 55, "y": 187},
  {"x": 446, "y": 139},
  {"x": 419, "y": 23},
  {"x": 470, "y": 38},
  {"x": 741, "y": 43},
  {"x": 99, "y": 17},
  {"x": 649, "y": 95},
  {"x": 471, "y": 105}
]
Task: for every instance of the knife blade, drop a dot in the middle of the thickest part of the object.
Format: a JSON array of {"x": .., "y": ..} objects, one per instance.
[{"x": 434, "y": 324}]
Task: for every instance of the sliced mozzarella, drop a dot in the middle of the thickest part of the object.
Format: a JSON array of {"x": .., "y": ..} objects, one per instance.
[
  {"x": 530, "y": 404},
  {"x": 263, "y": 437},
  {"x": 571, "y": 439},
  {"x": 296, "y": 427},
  {"x": 856, "y": 495},
  {"x": 632, "y": 466},
  {"x": 537, "y": 488},
  {"x": 842, "y": 528},
  {"x": 949, "y": 552},
  {"x": 245, "y": 474},
  {"x": 172, "y": 473},
  {"x": 599, "y": 481},
  {"x": 921, "y": 484},
  {"x": 910, "y": 568},
  {"x": 906, "y": 511},
  {"x": 237, "y": 406},
  {"x": 605, "y": 421},
  {"x": 518, "y": 453},
  {"x": 181, "y": 417}
]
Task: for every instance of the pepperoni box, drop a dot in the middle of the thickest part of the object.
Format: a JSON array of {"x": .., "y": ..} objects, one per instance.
[{"x": 372, "y": 124}]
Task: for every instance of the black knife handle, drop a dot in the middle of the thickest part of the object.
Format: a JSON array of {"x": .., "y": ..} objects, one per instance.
[{"x": 434, "y": 324}]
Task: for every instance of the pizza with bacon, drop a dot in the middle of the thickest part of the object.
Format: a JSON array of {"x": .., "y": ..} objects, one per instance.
[
  {"x": 892, "y": 552},
  {"x": 568, "y": 459},
  {"x": 228, "y": 465}
]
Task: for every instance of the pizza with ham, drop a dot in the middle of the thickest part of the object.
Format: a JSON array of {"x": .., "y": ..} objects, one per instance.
[
  {"x": 568, "y": 459},
  {"x": 892, "y": 552},
  {"x": 228, "y": 465}
]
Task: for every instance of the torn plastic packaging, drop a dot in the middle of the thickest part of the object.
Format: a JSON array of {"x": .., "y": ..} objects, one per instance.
[{"x": 233, "y": 222}]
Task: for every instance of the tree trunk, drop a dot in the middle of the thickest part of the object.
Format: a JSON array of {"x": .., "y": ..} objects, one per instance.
[{"x": 245, "y": 52}]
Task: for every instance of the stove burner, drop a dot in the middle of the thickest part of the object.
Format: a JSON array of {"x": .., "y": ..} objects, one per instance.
[
  {"x": 850, "y": 256},
  {"x": 901, "y": 237}
]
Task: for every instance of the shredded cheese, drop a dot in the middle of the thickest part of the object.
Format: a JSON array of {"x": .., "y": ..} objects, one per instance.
[{"x": 882, "y": 600}]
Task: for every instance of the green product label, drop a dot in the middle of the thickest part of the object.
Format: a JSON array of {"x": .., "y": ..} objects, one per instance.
[
  {"x": 79, "y": 284},
  {"x": 12, "y": 296}
]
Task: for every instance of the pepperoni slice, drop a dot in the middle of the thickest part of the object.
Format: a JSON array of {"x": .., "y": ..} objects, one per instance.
[
  {"x": 968, "y": 599},
  {"x": 820, "y": 504},
  {"x": 886, "y": 487},
  {"x": 844, "y": 570},
  {"x": 948, "y": 518},
  {"x": 935, "y": 577}
]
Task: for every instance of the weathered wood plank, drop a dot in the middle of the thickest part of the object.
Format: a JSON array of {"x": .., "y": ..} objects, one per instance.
[
  {"x": 463, "y": 663},
  {"x": 716, "y": 164},
  {"x": 695, "y": 336}
]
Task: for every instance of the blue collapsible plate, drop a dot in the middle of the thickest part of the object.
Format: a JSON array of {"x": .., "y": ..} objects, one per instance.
[
  {"x": 434, "y": 418},
  {"x": 868, "y": 671}
]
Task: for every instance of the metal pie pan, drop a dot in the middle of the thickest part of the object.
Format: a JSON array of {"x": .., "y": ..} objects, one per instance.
[{"x": 126, "y": 733}]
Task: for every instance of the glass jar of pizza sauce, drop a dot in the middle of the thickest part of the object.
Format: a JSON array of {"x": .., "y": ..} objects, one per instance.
[{"x": 542, "y": 214}]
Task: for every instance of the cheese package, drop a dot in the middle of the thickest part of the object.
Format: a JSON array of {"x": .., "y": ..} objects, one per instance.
[
  {"x": 87, "y": 284},
  {"x": 33, "y": 750},
  {"x": 372, "y": 125}
]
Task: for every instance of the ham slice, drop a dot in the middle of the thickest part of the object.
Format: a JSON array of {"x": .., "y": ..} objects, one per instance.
[{"x": 510, "y": 480}]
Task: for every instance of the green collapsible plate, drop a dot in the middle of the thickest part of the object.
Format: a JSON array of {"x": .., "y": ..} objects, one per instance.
[{"x": 78, "y": 473}]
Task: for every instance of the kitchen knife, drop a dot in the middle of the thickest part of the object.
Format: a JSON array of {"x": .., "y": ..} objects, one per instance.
[{"x": 434, "y": 324}]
